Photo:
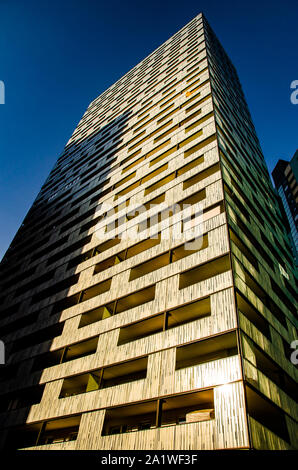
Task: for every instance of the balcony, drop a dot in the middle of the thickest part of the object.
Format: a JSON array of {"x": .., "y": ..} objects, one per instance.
[
  {"x": 164, "y": 321},
  {"x": 165, "y": 259},
  {"x": 204, "y": 271},
  {"x": 211, "y": 349},
  {"x": 46, "y": 432},
  {"x": 105, "y": 377},
  {"x": 117, "y": 306},
  {"x": 167, "y": 411}
]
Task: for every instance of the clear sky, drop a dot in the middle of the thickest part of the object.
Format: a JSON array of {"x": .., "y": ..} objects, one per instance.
[{"x": 56, "y": 56}]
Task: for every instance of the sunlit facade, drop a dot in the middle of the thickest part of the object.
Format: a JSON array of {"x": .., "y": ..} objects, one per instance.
[{"x": 120, "y": 335}]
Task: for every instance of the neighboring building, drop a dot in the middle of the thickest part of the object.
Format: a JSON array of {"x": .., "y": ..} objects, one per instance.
[
  {"x": 285, "y": 176},
  {"x": 149, "y": 343}
]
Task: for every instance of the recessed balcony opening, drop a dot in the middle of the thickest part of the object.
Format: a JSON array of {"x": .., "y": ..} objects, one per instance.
[
  {"x": 252, "y": 314},
  {"x": 162, "y": 156},
  {"x": 149, "y": 266},
  {"x": 134, "y": 300},
  {"x": 110, "y": 376},
  {"x": 113, "y": 308},
  {"x": 272, "y": 370},
  {"x": 167, "y": 411},
  {"x": 8, "y": 372},
  {"x": 126, "y": 254},
  {"x": 264, "y": 297},
  {"x": 266, "y": 413},
  {"x": 65, "y": 303},
  {"x": 55, "y": 289},
  {"x": 200, "y": 121},
  {"x": 283, "y": 297},
  {"x": 191, "y": 117},
  {"x": 166, "y": 320},
  {"x": 130, "y": 418},
  {"x": 22, "y": 398},
  {"x": 81, "y": 349},
  {"x": 211, "y": 349},
  {"x": 199, "y": 146},
  {"x": 204, "y": 271},
  {"x": 193, "y": 198},
  {"x": 80, "y": 259},
  {"x": 94, "y": 315},
  {"x": 168, "y": 132},
  {"x": 201, "y": 176},
  {"x": 46, "y": 360},
  {"x": 70, "y": 250},
  {"x": 158, "y": 148},
  {"x": 198, "y": 103},
  {"x": 118, "y": 208},
  {"x": 68, "y": 353},
  {"x": 165, "y": 259},
  {"x": 98, "y": 289},
  {"x": 116, "y": 223},
  {"x": 190, "y": 165},
  {"x": 213, "y": 211},
  {"x": 141, "y": 329},
  {"x": 40, "y": 336},
  {"x": 124, "y": 373},
  {"x": 60, "y": 430},
  {"x": 127, "y": 190},
  {"x": 109, "y": 262},
  {"x": 143, "y": 246},
  {"x": 86, "y": 294},
  {"x": 106, "y": 245},
  {"x": 191, "y": 138},
  {"x": 188, "y": 408},
  {"x": 170, "y": 211},
  {"x": 154, "y": 173},
  {"x": 124, "y": 180},
  {"x": 162, "y": 182},
  {"x": 244, "y": 249},
  {"x": 50, "y": 432},
  {"x": 156, "y": 200},
  {"x": 148, "y": 205},
  {"x": 134, "y": 213}
]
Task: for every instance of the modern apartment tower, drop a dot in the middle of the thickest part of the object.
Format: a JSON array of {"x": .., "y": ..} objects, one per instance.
[
  {"x": 148, "y": 298},
  {"x": 285, "y": 176}
]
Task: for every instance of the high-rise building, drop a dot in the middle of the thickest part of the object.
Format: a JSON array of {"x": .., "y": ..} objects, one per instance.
[
  {"x": 285, "y": 176},
  {"x": 148, "y": 297}
]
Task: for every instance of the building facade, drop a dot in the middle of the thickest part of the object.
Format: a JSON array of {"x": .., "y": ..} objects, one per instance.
[
  {"x": 285, "y": 176},
  {"x": 148, "y": 297}
]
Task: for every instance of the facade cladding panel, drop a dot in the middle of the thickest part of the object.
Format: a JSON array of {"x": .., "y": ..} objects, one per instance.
[{"x": 120, "y": 330}]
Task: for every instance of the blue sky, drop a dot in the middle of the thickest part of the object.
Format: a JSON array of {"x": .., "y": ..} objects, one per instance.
[{"x": 57, "y": 56}]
